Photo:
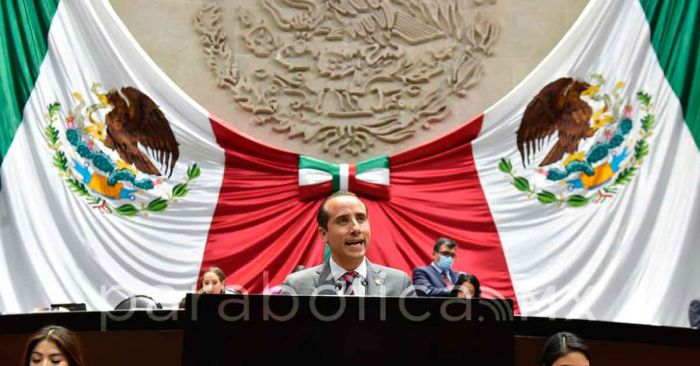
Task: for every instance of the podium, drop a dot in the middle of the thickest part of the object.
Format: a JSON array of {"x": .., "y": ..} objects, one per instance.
[
  {"x": 265, "y": 330},
  {"x": 177, "y": 337}
]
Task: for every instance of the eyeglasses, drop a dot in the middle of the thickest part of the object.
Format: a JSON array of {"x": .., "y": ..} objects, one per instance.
[{"x": 448, "y": 254}]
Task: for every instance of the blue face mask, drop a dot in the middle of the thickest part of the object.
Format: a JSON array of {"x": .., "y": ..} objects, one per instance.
[{"x": 445, "y": 262}]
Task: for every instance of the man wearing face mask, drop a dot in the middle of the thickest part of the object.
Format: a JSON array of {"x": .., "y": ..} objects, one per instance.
[{"x": 437, "y": 279}]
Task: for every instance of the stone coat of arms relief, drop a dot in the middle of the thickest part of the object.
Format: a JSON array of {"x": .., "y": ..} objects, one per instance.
[{"x": 344, "y": 74}]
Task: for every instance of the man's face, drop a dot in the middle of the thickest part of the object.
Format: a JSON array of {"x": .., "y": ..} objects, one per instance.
[
  {"x": 348, "y": 232},
  {"x": 444, "y": 250}
]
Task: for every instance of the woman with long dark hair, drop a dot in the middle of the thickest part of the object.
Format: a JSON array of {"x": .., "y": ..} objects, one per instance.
[{"x": 53, "y": 345}]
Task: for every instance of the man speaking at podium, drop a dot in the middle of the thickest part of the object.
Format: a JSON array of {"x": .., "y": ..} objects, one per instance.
[{"x": 343, "y": 223}]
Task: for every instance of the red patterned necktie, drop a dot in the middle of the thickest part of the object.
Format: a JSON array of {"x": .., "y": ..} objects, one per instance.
[
  {"x": 446, "y": 279},
  {"x": 349, "y": 277}
]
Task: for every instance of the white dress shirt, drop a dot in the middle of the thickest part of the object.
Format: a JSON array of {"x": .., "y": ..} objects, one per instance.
[{"x": 358, "y": 284}]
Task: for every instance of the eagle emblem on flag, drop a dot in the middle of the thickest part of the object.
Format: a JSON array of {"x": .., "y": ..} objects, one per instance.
[
  {"x": 600, "y": 138},
  {"x": 117, "y": 151}
]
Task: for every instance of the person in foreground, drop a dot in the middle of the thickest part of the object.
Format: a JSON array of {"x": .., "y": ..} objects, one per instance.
[
  {"x": 343, "y": 223},
  {"x": 565, "y": 349},
  {"x": 437, "y": 278},
  {"x": 53, "y": 345}
]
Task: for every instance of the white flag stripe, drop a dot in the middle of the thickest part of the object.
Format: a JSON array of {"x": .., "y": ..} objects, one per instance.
[
  {"x": 308, "y": 177},
  {"x": 633, "y": 257},
  {"x": 375, "y": 175},
  {"x": 344, "y": 177},
  {"x": 57, "y": 248}
]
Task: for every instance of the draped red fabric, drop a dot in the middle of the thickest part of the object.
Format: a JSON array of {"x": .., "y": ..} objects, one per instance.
[{"x": 262, "y": 227}]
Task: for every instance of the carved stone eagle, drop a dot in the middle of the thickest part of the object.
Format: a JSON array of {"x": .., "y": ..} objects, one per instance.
[
  {"x": 557, "y": 108},
  {"x": 376, "y": 20},
  {"x": 140, "y": 122}
]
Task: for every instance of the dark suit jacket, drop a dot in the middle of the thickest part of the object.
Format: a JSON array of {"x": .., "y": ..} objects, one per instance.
[
  {"x": 428, "y": 281},
  {"x": 694, "y": 314},
  {"x": 381, "y": 281}
]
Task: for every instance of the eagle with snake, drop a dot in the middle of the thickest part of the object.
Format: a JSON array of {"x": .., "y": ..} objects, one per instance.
[
  {"x": 137, "y": 128},
  {"x": 558, "y": 107}
]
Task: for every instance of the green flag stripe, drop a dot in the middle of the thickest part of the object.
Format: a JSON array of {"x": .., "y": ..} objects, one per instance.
[
  {"x": 675, "y": 35},
  {"x": 307, "y": 162},
  {"x": 24, "y": 25},
  {"x": 381, "y": 161},
  {"x": 326, "y": 253}
]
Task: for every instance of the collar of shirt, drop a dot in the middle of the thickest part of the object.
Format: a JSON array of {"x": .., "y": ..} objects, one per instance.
[
  {"x": 358, "y": 284},
  {"x": 437, "y": 269}
]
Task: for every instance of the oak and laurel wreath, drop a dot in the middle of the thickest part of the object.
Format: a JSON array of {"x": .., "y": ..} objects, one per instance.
[
  {"x": 641, "y": 150},
  {"x": 60, "y": 161}
]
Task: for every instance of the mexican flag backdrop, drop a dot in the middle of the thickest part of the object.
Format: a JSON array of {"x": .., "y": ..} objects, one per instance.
[{"x": 576, "y": 194}]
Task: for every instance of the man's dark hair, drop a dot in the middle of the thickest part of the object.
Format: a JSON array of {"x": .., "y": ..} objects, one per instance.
[
  {"x": 561, "y": 344},
  {"x": 322, "y": 215},
  {"x": 444, "y": 241}
]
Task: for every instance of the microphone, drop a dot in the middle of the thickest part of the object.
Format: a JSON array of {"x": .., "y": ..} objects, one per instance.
[
  {"x": 339, "y": 285},
  {"x": 364, "y": 282}
]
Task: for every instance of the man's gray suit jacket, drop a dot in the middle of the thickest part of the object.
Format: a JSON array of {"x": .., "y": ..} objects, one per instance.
[{"x": 381, "y": 281}]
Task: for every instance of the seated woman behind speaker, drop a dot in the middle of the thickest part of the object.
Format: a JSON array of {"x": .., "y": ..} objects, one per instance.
[
  {"x": 53, "y": 345},
  {"x": 466, "y": 287},
  {"x": 213, "y": 281}
]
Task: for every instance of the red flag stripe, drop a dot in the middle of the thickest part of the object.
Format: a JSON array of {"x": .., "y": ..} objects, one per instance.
[{"x": 263, "y": 227}]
